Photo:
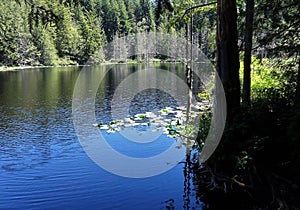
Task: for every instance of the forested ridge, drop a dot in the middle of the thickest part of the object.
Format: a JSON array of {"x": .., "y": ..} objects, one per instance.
[{"x": 40, "y": 32}]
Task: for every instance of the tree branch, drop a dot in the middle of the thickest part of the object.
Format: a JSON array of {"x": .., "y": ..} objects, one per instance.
[
  {"x": 287, "y": 6},
  {"x": 269, "y": 37},
  {"x": 197, "y": 6}
]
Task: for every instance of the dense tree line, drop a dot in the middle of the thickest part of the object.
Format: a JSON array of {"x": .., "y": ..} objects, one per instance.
[
  {"x": 40, "y": 32},
  {"x": 71, "y": 31}
]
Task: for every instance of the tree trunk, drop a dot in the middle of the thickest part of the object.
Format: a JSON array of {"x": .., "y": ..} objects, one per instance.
[
  {"x": 248, "y": 48},
  {"x": 228, "y": 55},
  {"x": 297, "y": 99}
]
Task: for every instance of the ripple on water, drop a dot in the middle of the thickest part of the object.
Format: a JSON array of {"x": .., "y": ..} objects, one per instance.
[{"x": 42, "y": 165}]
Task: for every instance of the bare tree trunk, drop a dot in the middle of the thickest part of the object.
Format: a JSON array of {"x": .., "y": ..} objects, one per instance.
[
  {"x": 189, "y": 64},
  {"x": 228, "y": 55},
  {"x": 205, "y": 48},
  {"x": 247, "y": 56}
]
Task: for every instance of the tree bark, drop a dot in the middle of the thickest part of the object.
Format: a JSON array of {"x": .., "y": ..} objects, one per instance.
[
  {"x": 247, "y": 55},
  {"x": 228, "y": 55},
  {"x": 297, "y": 99}
]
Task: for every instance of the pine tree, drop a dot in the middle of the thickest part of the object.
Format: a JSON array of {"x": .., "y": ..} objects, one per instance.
[
  {"x": 67, "y": 35},
  {"x": 43, "y": 38},
  {"x": 124, "y": 27},
  {"x": 91, "y": 33}
]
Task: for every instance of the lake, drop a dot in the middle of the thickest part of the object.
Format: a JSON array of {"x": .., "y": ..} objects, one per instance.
[{"x": 43, "y": 164}]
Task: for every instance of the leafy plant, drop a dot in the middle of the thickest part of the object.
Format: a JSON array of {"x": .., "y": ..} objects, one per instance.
[{"x": 176, "y": 123}]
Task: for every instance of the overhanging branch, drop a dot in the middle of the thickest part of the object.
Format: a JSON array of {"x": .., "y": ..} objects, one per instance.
[{"x": 195, "y": 7}]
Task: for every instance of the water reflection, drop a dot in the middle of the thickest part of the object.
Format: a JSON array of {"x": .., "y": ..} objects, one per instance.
[
  {"x": 31, "y": 106},
  {"x": 42, "y": 164}
]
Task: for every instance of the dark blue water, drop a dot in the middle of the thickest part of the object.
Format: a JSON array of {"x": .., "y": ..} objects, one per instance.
[{"x": 42, "y": 163}]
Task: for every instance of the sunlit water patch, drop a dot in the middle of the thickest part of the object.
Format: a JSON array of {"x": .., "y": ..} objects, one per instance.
[{"x": 42, "y": 164}]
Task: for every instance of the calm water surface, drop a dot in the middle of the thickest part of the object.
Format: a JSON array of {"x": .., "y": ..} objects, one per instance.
[{"x": 42, "y": 164}]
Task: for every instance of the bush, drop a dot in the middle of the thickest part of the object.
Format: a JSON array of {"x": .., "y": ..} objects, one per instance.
[{"x": 272, "y": 81}]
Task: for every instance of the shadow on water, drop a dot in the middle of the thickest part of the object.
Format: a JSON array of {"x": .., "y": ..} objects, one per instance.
[{"x": 42, "y": 164}]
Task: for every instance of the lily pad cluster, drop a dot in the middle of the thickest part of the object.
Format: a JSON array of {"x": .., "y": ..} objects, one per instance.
[{"x": 181, "y": 122}]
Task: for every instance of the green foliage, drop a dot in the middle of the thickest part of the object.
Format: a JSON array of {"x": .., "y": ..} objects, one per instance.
[
  {"x": 45, "y": 44},
  {"x": 67, "y": 34},
  {"x": 204, "y": 126},
  {"x": 124, "y": 26},
  {"x": 183, "y": 13},
  {"x": 27, "y": 50},
  {"x": 272, "y": 80},
  {"x": 91, "y": 36},
  {"x": 203, "y": 16},
  {"x": 243, "y": 160},
  {"x": 277, "y": 27},
  {"x": 173, "y": 122},
  {"x": 9, "y": 30},
  {"x": 68, "y": 31},
  {"x": 204, "y": 95}
]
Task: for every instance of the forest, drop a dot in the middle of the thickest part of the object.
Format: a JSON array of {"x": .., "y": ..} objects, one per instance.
[
  {"x": 69, "y": 32},
  {"x": 254, "y": 46}
]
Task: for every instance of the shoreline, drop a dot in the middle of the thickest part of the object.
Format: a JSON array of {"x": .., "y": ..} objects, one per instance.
[{"x": 14, "y": 68}]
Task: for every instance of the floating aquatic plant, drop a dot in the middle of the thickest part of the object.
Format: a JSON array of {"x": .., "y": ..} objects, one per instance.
[{"x": 180, "y": 122}]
